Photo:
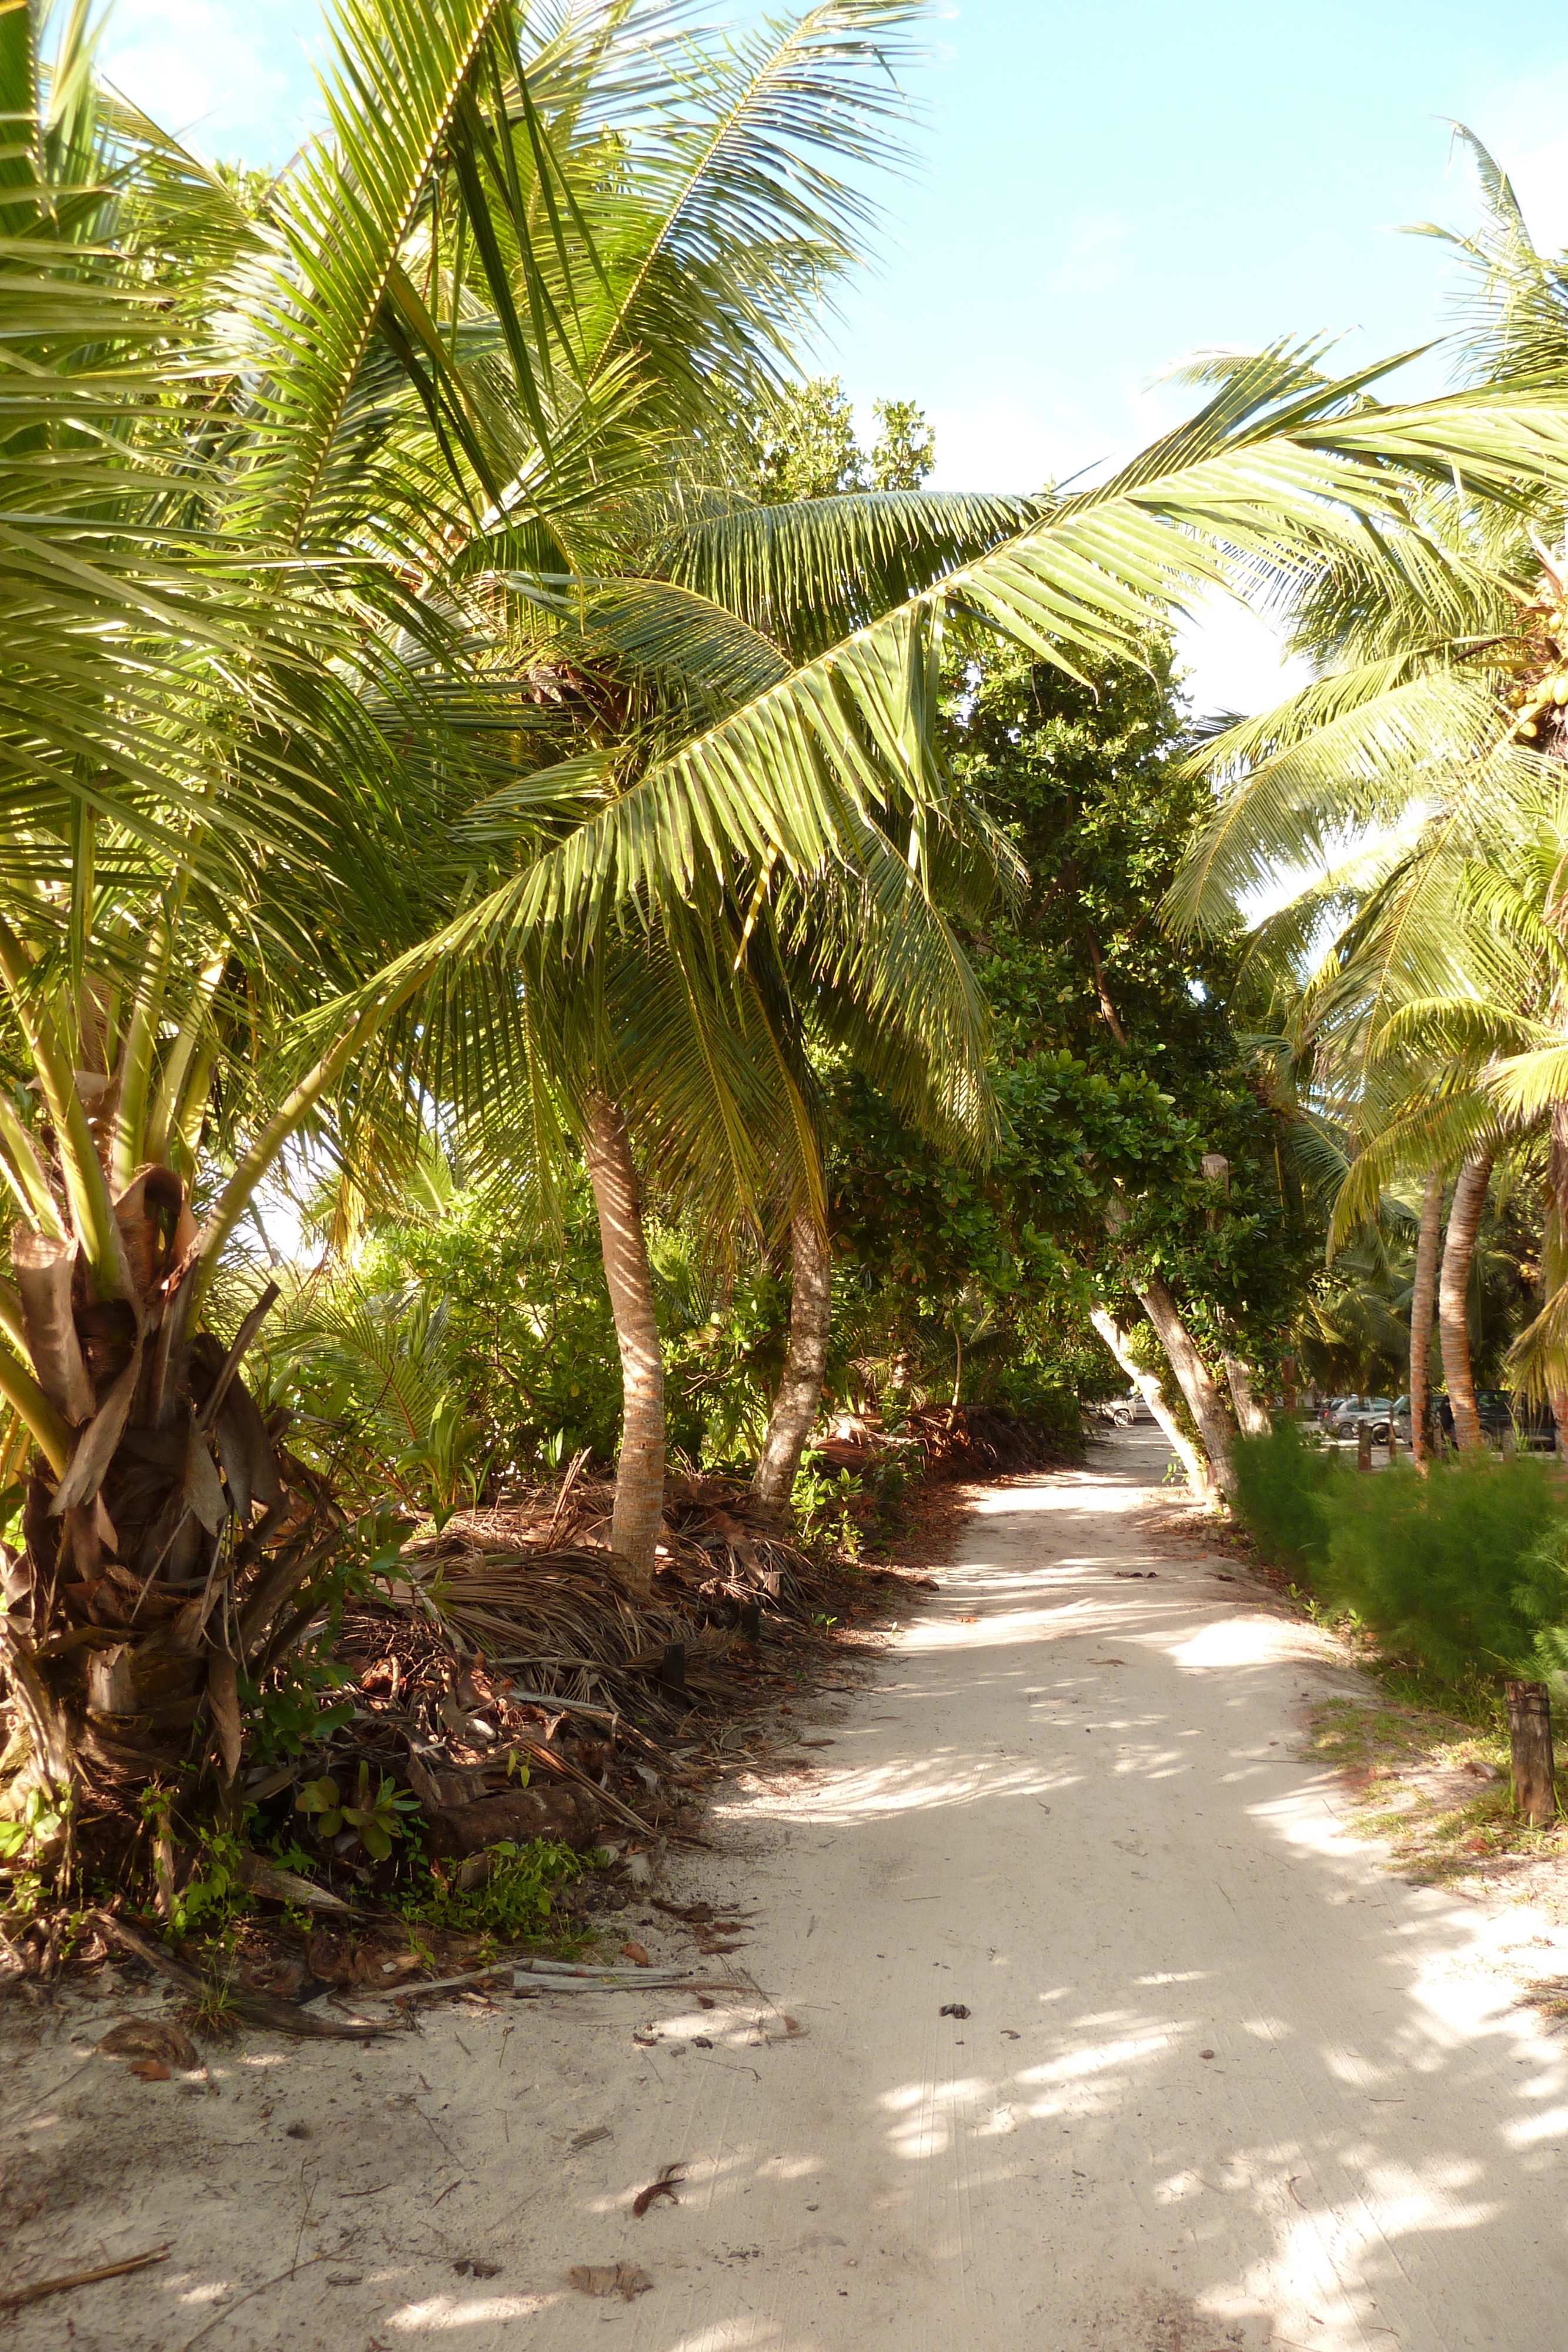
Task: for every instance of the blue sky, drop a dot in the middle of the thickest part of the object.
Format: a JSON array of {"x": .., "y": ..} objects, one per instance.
[{"x": 1095, "y": 191}]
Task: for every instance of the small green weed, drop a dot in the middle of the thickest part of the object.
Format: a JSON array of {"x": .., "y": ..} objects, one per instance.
[
  {"x": 212, "y": 1898},
  {"x": 378, "y": 1816},
  {"x": 509, "y": 1905},
  {"x": 38, "y": 1827}
]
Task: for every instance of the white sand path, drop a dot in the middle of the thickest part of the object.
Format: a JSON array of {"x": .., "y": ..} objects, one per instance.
[{"x": 1223, "y": 2082}]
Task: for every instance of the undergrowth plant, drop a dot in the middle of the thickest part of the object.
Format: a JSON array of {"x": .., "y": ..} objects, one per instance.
[
  {"x": 1463, "y": 1572},
  {"x": 511, "y": 1902}
]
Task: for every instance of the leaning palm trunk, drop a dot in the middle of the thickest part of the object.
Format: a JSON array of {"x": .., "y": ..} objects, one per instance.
[
  {"x": 800, "y": 1387},
  {"x": 1195, "y": 1380},
  {"x": 1194, "y": 1464},
  {"x": 1251, "y": 1413},
  {"x": 1422, "y": 1298},
  {"x": 1193, "y": 1376},
  {"x": 640, "y": 1472},
  {"x": 1458, "y": 1254}
]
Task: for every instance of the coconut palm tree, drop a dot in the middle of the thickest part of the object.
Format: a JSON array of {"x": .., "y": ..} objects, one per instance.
[{"x": 319, "y": 500}]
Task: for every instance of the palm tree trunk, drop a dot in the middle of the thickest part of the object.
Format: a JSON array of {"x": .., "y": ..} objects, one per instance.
[
  {"x": 1193, "y": 1376},
  {"x": 1422, "y": 1298},
  {"x": 640, "y": 1472},
  {"x": 1555, "y": 1249},
  {"x": 1453, "y": 1296},
  {"x": 800, "y": 1387},
  {"x": 1195, "y": 1380},
  {"x": 1251, "y": 1414},
  {"x": 1181, "y": 1446}
]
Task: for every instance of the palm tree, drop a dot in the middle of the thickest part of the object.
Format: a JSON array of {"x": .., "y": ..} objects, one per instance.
[
  {"x": 1432, "y": 741},
  {"x": 315, "y": 501}
]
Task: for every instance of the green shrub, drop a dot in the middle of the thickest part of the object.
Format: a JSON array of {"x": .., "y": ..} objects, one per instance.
[
  {"x": 1285, "y": 1486},
  {"x": 511, "y": 1902},
  {"x": 1461, "y": 1569}
]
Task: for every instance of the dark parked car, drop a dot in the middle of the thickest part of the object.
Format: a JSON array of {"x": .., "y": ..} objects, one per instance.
[{"x": 1532, "y": 1424}]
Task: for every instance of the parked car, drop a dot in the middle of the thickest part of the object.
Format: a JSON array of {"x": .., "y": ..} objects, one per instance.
[
  {"x": 1399, "y": 1414},
  {"x": 1331, "y": 1407},
  {"x": 1534, "y": 1429},
  {"x": 1347, "y": 1421},
  {"x": 1128, "y": 1412}
]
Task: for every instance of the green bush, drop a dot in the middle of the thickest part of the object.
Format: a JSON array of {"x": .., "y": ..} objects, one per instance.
[
  {"x": 1283, "y": 1490},
  {"x": 513, "y": 1900},
  {"x": 1460, "y": 1570},
  {"x": 1464, "y": 1571}
]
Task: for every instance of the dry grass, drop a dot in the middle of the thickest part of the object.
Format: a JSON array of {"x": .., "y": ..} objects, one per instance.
[{"x": 1438, "y": 1788}]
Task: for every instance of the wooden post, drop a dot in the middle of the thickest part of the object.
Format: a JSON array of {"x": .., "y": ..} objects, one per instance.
[
  {"x": 1364, "y": 1445},
  {"x": 1392, "y": 1437},
  {"x": 751, "y": 1621},
  {"x": 673, "y": 1673},
  {"x": 1529, "y": 1746}
]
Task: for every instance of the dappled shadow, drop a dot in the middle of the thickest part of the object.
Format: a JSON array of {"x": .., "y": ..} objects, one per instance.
[{"x": 1219, "y": 2083}]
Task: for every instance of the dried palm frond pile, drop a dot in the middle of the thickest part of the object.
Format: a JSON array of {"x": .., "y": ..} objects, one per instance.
[
  {"x": 511, "y": 1635},
  {"x": 981, "y": 1441},
  {"x": 532, "y": 1586}
]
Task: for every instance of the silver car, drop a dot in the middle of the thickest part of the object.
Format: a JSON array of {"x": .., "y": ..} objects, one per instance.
[{"x": 1347, "y": 1422}]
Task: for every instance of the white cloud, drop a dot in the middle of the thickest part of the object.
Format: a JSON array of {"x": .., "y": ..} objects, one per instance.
[
  {"x": 1234, "y": 659},
  {"x": 1519, "y": 123},
  {"x": 997, "y": 445},
  {"x": 226, "y": 79}
]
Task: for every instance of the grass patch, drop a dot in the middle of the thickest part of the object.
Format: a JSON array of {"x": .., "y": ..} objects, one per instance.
[{"x": 1432, "y": 1783}]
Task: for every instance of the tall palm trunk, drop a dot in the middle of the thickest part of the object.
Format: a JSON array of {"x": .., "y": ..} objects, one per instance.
[
  {"x": 1554, "y": 1248},
  {"x": 1453, "y": 1293},
  {"x": 800, "y": 1387},
  {"x": 1194, "y": 1378},
  {"x": 1194, "y": 1464},
  {"x": 640, "y": 1472},
  {"x": 1422, "y": 1298}
]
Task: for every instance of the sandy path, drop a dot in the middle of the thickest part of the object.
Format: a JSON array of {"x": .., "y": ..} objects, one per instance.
[{"x": 1223, "y": 2082}]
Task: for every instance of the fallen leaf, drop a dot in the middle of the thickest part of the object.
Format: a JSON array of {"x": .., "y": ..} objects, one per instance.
[
  {"x": 635, "y": 1952},
  {"x": 149, "y": 2037},
  {"x": 150, "y": 2070},
  {"x": 664, "y": 2186},
  {"x": 478, "y": 2270},
  {"x": 1205, "y": 2053},
  {"x": 952, "y": 2009},
  {"x": 623, "y": 2279}
]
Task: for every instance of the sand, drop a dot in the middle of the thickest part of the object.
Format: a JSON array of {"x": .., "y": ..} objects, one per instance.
[{"x": 1223, "y": 2081}]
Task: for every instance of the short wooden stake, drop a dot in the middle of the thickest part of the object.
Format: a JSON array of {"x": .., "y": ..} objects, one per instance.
[
  {"x": 1529, "y": 1748},
  {"x": 751, "y": 1621},
  {"x": 673, "y": 1673},
  {"x": 1364, "y": 1445}
]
